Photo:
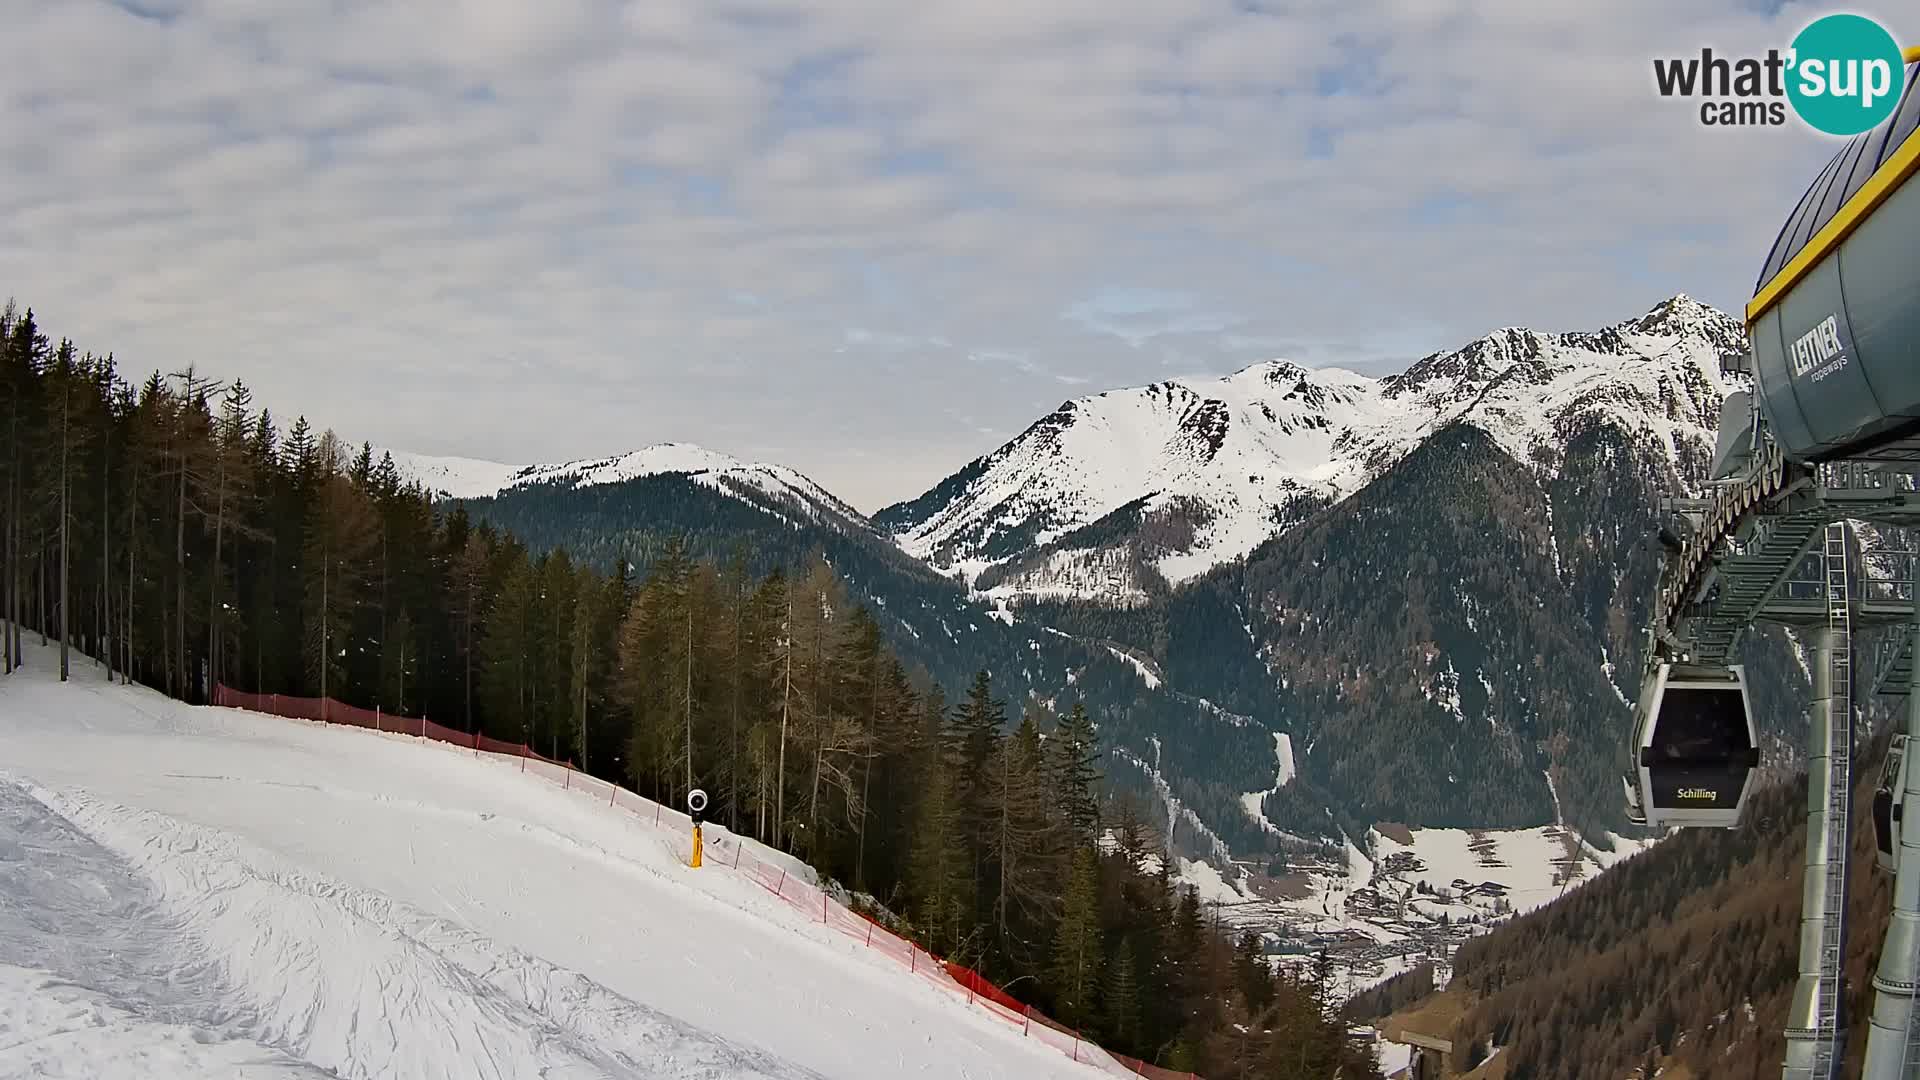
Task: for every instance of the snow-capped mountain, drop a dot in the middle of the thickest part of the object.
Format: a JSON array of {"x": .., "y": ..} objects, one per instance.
[
  {"x": 452, "y": 477},
  {"x": 769, "y": 486},
  {"x": 1113, "y": 491}
]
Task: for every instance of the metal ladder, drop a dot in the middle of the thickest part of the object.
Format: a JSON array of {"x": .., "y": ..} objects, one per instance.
[{"x": 1839, "y": 801}]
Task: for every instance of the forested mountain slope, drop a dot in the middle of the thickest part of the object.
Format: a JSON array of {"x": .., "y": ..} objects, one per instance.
[
  {"x": 1433, "y": 582},
  {"x": 1685, "y": 954},
  {"x": 1459, "y": 640}
]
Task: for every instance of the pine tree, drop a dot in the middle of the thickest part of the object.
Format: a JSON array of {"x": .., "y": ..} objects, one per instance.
[
  {"x": 1075, "y": 765},
  {"x": 1027, "y": 845},
  {"x": 470, "y": 602},
  {"x": 230, "y": 493},
  {"x": 587, "y": 599},
  {"x": 1122, "y": 997},
  {"x": 66, "y": 434},
  {"x": 191, "y": 453},
  {"x": 339, "y": 537},
  {"x": 977, "y": 724},
  {"x": 1076, "y": 950},
  {"x": 507, "y": 675},
  {"x": 940, "y": 878}
]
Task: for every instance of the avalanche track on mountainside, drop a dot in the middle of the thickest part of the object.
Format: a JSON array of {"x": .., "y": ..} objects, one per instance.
[{"x": 188, "y": 892}]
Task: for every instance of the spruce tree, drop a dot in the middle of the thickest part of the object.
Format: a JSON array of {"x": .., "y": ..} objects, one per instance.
[
  {"x": 977, "y": 724},
  {"x": 1076, "y": 771},
  {"x": 1121, "y": 1000},
  {"x": 340, "y": 534},
  {"x": 1076, "y": 943},
  {"x": 1026, "y": 844}
]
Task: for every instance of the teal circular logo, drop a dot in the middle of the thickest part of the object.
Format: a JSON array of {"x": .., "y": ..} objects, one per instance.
[{"x": 1845, "y": 75}]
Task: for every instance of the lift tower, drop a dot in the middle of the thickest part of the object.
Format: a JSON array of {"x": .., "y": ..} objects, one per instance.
[{"x": 1829, "y": 434}]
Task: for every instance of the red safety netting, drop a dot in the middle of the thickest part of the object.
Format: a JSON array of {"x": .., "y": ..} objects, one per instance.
[{"x": 728, "y": 851}]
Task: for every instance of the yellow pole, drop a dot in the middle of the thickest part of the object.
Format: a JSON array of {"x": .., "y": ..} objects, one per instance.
[
  {"x": 1912, "y": 56},
  {"x": 696, "y": 847}
]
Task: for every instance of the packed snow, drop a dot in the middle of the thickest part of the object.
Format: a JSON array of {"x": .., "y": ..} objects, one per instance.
[
  {"x": 1234, "y": 455},
  {"x": 53, "y": 1028},
  {"x": 188, "y": 892}
]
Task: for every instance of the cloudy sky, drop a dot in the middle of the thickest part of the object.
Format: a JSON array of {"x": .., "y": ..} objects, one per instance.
[{"x": 868, "y": 238}]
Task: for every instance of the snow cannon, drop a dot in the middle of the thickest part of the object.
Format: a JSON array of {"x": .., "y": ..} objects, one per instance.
[
  {"x": 697, "y": 810},
  {"x": 1694, "y": 748},
  {"x": 1834, "y": 330}
]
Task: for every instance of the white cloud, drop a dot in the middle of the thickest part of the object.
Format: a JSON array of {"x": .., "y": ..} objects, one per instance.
[{"x": 524, "y": 231}]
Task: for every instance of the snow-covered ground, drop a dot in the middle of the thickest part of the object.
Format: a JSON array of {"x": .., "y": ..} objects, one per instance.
[
  {"x": 453, "y": 477},
  {"x": 1252, "y": 801},
  {"x": 1528, "y": 863},
  {"x": 1384, "y": 909},
  {"x": 195, "y": 892}
]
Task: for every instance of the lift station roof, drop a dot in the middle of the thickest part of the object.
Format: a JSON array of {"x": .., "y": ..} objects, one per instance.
[{"x": 1833, "y": 322}]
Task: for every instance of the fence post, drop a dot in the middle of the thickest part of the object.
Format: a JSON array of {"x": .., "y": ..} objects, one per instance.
[
  {"x": 869, "y": 933},
  {"x": 377, "y": 721},
  {"x": 614, "y": 794},
  {"x": 423, "y": 725},
  {"x": 1027, "y": 1028},
  {"x": 1076, "y": 1046},
  {"x": 523, "y": 757},
  {"x": 656, "y": 814},
  {"x": 737, "y": 845},
  {"x": 823, "y": 907},
  {"x": 783, "y": 884}
]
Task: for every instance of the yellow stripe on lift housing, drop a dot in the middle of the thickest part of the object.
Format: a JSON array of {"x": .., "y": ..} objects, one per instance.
[{"x": 1884, "y": 182}]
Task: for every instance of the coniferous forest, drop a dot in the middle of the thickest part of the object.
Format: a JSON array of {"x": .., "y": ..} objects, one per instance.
[{"x": 167, "y": 530}]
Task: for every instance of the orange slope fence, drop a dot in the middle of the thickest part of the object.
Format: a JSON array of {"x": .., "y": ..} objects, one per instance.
[{"x": 728, "y": 852}]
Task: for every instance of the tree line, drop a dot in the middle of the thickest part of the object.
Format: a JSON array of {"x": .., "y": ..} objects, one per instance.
[{"x": 176, "y": 536}]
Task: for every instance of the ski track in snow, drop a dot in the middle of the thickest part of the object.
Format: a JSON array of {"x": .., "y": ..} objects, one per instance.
[
  {"x": 336, "y": 974},
  {"x": 207, "y": 892}
]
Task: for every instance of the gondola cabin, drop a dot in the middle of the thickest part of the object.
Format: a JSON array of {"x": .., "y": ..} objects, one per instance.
[
  {"x": 1886, "y": 805},
  {"x": 1695, "y": 750}
]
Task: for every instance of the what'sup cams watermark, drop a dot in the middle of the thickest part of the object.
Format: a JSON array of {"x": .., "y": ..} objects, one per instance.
[{"x": 1842, "y": 75}]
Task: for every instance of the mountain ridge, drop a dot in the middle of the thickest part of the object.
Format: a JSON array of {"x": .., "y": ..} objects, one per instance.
[
  {"x": 1219, "y": 466},
  {"x": 1212, "y": 467},
  {"x": 1169, "y": 607}
]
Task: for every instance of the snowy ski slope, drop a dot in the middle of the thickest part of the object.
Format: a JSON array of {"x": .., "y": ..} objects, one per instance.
[{"x": 207, "y": 892}]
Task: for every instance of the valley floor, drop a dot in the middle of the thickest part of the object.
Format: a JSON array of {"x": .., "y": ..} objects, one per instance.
[{"x": 192, "y": 892}]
